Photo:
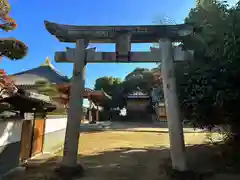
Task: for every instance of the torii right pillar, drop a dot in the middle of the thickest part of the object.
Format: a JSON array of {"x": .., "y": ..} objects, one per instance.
[{"x": 175, "y": 126}]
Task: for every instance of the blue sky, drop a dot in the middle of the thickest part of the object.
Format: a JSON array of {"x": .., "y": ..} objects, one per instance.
[{"x": 31, "y": 14}]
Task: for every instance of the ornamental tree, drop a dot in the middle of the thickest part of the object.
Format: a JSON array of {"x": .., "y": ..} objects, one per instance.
[
  {"x": 7, "y": 86},
  {"x": 10, "y": 47}
]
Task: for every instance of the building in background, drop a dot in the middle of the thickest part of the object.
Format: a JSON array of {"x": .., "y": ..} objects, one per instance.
[
  {"x": 96, "y": 100},
  {"x": 158, "y": 104},
  {"x": 22, "y": 127},
  {"x": 144, "y": 106},
  {"x": 138, "y": 106},
  {"x": 28, "y": 125},
  {"x": 48, "y": 80},
  {"x": 43, "y": 79}
]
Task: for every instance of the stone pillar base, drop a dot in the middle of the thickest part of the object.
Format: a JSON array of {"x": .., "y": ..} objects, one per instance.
[
  {"x": 188, "y": 175},
  {"x": 66, "y": 172}
]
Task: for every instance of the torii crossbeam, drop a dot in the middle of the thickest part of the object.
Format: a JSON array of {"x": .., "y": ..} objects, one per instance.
[
  {"x": 109, "y": 34},
  {"x": 111, "y": 57}
]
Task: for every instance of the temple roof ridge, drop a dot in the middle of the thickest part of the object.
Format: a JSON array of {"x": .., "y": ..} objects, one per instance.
[
  {"x": 138, "y": 92},
  {"x": 45, "y": 71},
  {"x": 47, "y": 62}
]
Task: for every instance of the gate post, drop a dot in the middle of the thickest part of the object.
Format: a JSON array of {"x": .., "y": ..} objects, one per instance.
[
  {"x": 75, "y": 111},
  {"x": 90, "y": 112},
  {"x": 175, "y": 127}
]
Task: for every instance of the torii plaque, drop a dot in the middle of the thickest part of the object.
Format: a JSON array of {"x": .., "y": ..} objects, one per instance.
[{"x": 123, "y": 36}]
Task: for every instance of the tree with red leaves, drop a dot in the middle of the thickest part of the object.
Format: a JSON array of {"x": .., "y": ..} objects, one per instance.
[
  {"x": 10, "y": 48},
  {"x": 7, "y": 86}
]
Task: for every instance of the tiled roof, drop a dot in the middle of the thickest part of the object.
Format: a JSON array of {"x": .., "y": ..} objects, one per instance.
[
  {"x": 44, "y": 72},
  {"x": 28, "y": 101},
  {"x": 35, "y": 96},
  {"x": 138, "y": 93}
]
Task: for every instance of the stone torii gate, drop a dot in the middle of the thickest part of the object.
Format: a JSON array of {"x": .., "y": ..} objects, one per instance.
[{"x": 123, "y": 36}]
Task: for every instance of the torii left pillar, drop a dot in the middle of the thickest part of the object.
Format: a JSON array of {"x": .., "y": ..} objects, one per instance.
[{"x": 69, "y": 164}]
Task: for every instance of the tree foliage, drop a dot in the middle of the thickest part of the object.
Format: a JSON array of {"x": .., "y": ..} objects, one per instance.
[
  {"x": 7, "y": 86},
  {"x": 47, "y": 88},
  {"x": 208, "y": 87},
  {"x": 113, "y": 87},
  {"x": 10, "y": 47},
  {"x": 142, "y": 78},
  {"x": 107, "y": 83}
]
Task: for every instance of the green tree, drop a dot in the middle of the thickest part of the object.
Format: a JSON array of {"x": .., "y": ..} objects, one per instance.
[
  {"x": 107, "y": 83},
  {"x": 46, "y": 88},
  {"x": 143, "y": 78},
  {"x": 208, "y": 87},
  {"x": 112, "y": 86}
]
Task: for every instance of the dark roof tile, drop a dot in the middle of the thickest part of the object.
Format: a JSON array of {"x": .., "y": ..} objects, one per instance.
[{"x": 47, "y": 73}]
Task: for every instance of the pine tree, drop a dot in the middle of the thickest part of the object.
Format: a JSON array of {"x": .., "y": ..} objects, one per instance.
[{"x": 10, "y": 47}]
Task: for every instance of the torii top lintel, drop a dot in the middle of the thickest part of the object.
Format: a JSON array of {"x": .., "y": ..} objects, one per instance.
[{"x": 108, "y": 34}]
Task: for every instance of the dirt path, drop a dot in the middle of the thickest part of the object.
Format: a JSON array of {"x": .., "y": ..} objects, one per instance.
[
  {"x": 128, "y": 155},
  {"x": 117, "y": 155}
]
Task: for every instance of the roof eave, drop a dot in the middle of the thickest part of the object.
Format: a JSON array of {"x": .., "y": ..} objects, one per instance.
[{"x": 70, "y": 33}]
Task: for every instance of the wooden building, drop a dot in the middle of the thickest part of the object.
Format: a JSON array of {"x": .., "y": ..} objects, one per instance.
[
  {"x": 29, "y": 80},
  {"x": 158, "y": 104},
  {"x": 47, "y": 72},
  {"x": 22, "y": 136},
  {"x": 26, "y": 128},
  {"x": 96, "y": 100},
  {"x": 138, "y": 105},
  {"x": 160, "y": 110},
  {"x": 22, "y": 127},
  {"x": 143, "y": 106},
  {"x": 138, "y": 101}
]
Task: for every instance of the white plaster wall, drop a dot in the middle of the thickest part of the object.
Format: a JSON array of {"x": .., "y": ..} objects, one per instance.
[
  {"x": 10, "y": 131},
  {"x": 55, "y": 124}
]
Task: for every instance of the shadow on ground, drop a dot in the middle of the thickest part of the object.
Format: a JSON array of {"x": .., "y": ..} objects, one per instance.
[
  {"x": 135, "y": 130},
  {"x": 128, "y": 125},
  {"x": 160, "y": 127},
  {"x": 133, "y": 164}
]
